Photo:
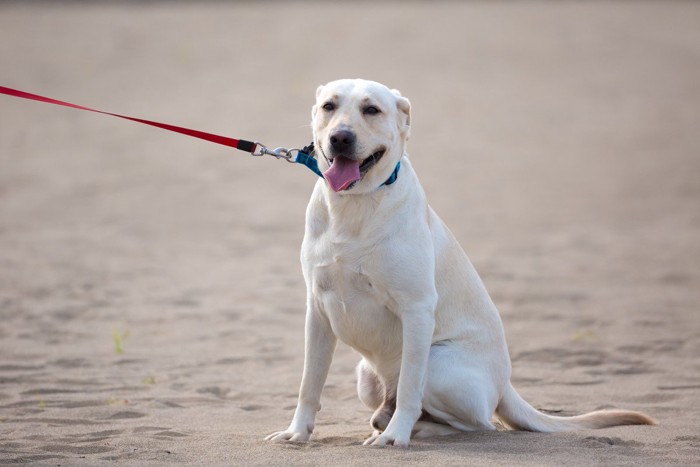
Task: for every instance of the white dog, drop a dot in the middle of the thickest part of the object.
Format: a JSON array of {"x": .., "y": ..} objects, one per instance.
[{"x": 384, "y": 275}]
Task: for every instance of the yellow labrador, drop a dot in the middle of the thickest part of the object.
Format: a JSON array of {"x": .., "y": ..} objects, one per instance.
[{"x": 386, "y": 276}]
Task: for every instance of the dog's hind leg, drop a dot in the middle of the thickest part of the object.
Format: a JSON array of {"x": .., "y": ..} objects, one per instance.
[
  {"x": 430, "y": 429},
  {"x": 370, "y": 388},
  {"x": 373, "y": 393},
  {"x": 382, "y": 416},
  {"x": 458, "y": 391}
]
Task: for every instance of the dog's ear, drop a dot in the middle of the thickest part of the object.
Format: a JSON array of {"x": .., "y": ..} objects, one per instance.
[
  {"x": 404, "y": 106},
  {"x": 315, "y": 107}
]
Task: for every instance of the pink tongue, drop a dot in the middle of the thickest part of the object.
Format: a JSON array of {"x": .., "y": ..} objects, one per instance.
[{"x": 342, "y": 173}]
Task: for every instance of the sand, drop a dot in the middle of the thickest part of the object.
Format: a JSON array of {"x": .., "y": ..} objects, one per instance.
[{"x": 151, "y": 299}]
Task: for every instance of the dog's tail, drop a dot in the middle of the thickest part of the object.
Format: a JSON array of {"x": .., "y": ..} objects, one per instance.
[{"x": 519, "y": 415}]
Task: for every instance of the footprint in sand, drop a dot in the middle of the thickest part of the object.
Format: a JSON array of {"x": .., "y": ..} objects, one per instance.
[
  {"x": 94, "y": 436},
  {"x": 169, "y": 434},
  {"x": 215, "y": 390},
  {"x": 125, "y": 415},
  {"x": 692, "y": 441},
  {"x": 603, "y": 441},
  {"x": 251, "y": 407},
  {"x": 62, "y": 448}
]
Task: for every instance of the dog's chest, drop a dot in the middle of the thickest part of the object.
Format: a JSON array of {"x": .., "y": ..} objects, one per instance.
[{"x": 348, "y": 288}]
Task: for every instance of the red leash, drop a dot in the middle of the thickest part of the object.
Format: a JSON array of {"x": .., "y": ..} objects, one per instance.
[{"x": 241, "y": 144}]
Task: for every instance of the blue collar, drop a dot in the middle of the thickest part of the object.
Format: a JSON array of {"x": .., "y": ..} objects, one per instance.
[{"x": 394, "y": 175}]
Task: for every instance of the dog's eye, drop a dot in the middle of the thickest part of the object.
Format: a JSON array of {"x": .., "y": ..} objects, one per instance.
[
  {"x": 329, "y": 106},
  {"x": 371, "y": 110}
]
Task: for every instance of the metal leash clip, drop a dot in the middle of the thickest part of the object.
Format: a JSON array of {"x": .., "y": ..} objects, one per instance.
[
  {"x": 305, "y": 156},
  {"x": 279, "y": 153}
]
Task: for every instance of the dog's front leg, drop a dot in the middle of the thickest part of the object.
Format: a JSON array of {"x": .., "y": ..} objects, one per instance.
[
  {"x": 319, "y": 347},
  {"x": 418, "y": 327}
]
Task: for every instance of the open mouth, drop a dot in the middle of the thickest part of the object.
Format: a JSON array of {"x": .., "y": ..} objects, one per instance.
[
  {"x": 344, "y": 172},
  {"x": 371, "y": 161}
]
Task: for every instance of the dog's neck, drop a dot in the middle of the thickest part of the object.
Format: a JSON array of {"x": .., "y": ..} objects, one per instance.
[{"x": 353, "y": 213}]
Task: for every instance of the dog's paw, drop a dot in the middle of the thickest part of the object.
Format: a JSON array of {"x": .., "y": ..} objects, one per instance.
[
  {"x": 289, "y": 436},
  {"x": 384, "y": 439}
]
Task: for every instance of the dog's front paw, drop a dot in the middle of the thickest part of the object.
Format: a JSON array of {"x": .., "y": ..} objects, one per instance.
[
  {"x": 294, "y": 436},
  {"x": 386, "y": 439}
]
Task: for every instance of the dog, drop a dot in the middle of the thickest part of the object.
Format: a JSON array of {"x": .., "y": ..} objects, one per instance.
[{"x": 385, "y": 276}]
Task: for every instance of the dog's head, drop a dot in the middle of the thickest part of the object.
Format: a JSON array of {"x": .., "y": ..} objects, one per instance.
[{"x": 361, "y": 128}]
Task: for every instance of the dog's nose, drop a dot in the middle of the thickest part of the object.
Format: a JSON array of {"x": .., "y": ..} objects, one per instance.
[{"x": 342, "y": 141}]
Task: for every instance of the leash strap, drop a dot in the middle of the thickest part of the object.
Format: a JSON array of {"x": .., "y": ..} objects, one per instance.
[
  {"x": 241, "y": 144},
  {"x": 303, "y": 156}
]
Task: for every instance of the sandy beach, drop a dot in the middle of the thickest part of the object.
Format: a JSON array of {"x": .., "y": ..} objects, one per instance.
[{"x": 151, "y": 298}]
